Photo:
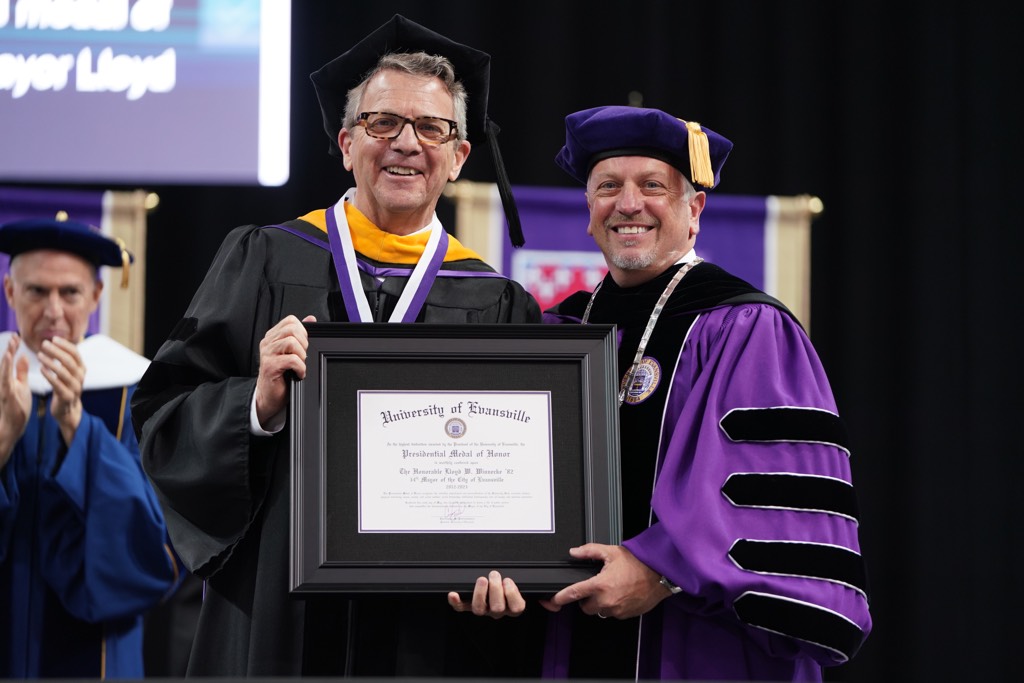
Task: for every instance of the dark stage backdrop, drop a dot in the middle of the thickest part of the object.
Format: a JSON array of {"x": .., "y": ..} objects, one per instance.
[{"x": 903, "y": 119}]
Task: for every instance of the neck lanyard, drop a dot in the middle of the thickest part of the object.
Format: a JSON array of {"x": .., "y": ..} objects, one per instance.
[
  {"x": 669, "y": 288},
  {"x": 346, "y": 265}
]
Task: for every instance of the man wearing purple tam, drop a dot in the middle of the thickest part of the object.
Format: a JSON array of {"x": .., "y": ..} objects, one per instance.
[
  {"x": 741, "y": 559},
  {"x": 400, "y": 109},
  {"x": 83, "y": 546}
]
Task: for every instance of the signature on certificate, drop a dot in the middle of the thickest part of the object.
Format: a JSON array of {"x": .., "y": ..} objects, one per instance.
[{"x": 453, "y": 513}]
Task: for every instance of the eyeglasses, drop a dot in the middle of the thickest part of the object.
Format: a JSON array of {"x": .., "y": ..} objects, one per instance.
[{"x": 386, "y": 126}]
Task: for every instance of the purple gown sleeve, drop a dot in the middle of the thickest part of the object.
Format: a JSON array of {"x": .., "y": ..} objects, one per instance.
[{"x": 754, "y": 501}]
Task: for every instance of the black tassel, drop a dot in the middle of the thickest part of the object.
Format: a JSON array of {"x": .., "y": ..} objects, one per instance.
[{"x": 515, "y": 228}]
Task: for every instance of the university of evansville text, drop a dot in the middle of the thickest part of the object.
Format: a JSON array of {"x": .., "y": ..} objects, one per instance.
[{"x": 473, "y": 408}]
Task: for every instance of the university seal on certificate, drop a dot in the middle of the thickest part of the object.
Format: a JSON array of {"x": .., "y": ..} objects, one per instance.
[{"x": 455, "y": 428}]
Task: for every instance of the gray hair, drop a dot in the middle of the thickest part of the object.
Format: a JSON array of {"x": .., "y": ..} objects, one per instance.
[{"x": 416, "y": 64}]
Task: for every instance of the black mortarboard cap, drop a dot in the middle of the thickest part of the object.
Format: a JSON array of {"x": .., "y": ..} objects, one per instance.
[
  {"x": 86, "y": 241},
  {"x": 333, "y": 80}
]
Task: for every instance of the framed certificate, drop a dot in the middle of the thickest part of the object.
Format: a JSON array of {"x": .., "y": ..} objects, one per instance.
[{"x": 424, "y": 456}]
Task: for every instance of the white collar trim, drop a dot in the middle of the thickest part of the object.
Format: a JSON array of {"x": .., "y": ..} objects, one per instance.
[{"x": 108, "y": 364}]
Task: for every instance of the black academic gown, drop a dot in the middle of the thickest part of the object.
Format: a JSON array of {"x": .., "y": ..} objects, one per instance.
[{"x": 226, "y": 492}]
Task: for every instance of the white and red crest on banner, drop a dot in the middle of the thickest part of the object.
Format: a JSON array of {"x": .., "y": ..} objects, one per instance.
[{"x": 553, "y": 275}]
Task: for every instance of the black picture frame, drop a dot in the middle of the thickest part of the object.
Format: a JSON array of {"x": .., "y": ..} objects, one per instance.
[{"x": 575, "y": 363}]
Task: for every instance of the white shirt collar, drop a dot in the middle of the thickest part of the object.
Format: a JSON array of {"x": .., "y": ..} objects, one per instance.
[{"x": 688, "y": 257}]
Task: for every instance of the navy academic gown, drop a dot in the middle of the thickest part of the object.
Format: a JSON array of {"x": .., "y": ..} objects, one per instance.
[{"x": 83, "y": 549}]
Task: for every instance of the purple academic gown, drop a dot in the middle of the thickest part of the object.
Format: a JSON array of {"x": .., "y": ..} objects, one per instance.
[{"x": 752, "y": 513}]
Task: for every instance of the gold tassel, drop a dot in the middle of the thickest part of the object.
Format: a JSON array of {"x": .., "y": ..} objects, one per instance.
[
  {"x": 126, "y": 262},
  {"x": 700, "y": 156}
]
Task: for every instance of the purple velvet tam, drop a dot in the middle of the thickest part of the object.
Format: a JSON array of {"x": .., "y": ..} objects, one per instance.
[{"x": 600, "y": 133}]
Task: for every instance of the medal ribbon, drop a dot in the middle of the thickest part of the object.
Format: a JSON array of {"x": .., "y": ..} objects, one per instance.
[
  {"x": 669, "y": 288},
  {"x": 346, "y": 265}
]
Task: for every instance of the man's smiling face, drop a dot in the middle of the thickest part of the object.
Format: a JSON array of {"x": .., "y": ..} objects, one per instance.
[
  {"x": 399, "y": 181},
  {"x": 644, "y": 216}
]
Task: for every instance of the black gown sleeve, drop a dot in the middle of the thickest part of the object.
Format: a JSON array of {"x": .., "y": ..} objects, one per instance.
[{"x": 192, "y": 408}]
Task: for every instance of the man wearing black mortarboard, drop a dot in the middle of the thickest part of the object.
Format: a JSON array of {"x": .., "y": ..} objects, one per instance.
[
  {"x": 83, "y": 546},
  {"x": 401, "y": 109}
]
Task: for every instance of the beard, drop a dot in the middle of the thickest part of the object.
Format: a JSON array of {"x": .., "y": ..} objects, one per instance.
[{"x": 634, "y": 261}]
